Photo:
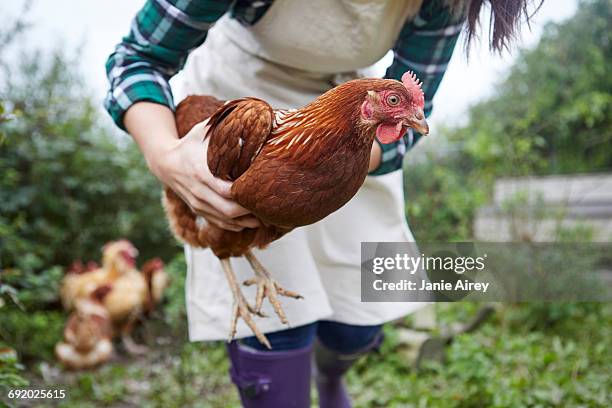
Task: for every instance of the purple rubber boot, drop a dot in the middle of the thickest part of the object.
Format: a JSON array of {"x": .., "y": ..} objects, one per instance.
[
  {"x": 271, "y": 379},
  {"x": 329, "y": 369}
]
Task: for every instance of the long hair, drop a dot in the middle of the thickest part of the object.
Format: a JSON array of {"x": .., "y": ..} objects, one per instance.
[{"x": 505, "y": 17}]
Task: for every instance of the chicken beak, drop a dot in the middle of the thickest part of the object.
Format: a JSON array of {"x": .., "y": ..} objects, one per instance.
[{"x": 418, "y": 123}]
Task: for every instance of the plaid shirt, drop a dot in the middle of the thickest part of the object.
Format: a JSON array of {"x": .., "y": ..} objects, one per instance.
[{"x": 164, "y": 32}]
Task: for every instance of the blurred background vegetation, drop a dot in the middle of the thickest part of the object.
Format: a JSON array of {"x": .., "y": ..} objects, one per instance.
[
  {"x": 552, "y": 114},
  {"x": 68, "y": 185}
]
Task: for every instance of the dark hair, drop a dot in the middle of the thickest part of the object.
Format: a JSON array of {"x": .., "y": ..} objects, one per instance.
[{"x": 505, "y": 17}]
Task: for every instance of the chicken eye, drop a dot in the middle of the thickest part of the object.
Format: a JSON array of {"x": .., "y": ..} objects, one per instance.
[{"x": 393, "y": 99}]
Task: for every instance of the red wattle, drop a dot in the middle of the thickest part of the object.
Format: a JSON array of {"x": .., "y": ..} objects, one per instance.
[{"x": 389, "y": 133}]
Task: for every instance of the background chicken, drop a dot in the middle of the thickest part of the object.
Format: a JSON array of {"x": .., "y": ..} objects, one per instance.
[
  {"x": 128, "y": 292},
  {"x": 87, "y": 334},
  {"x": 290, "y": 168},
  {"x": 125, "y": 303},
  {"x": 80, "y": 281},
  {"x": 157, "y": 282},
  {"x": 132, "y": 294}
]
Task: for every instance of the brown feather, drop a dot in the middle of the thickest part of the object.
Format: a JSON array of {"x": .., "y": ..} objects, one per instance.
[{"x": 288, "y": 173}]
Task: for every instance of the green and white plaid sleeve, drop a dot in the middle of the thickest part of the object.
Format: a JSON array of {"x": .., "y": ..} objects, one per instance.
[
  {"x": 425, "y": 46},
  {"x": 161, "y": 36}
]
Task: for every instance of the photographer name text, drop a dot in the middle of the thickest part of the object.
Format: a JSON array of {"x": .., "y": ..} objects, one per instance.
[{"x": 406, "y": 285}]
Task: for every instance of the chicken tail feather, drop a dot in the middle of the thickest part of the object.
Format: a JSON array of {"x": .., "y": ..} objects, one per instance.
[{"x": 182, "y": 220}]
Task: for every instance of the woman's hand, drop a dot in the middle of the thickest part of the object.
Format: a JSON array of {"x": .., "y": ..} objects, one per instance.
[
  {"x": 181, "y": 165},
  {"x": 375, "y": 157}
]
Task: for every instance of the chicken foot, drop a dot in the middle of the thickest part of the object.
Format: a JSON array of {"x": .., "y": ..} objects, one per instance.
[
  {"x": 267, "y": 287},
  {"x": 241, "y": 307},
  {"x": 126, "y": 336}
]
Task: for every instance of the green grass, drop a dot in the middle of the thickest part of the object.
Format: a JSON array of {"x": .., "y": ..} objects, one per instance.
[
  {"x": 527, "y": 355},
  {"x": 561, "y": 360},
  {"x": 506, "y": 363},
  {"x": 191, "y": 376}
]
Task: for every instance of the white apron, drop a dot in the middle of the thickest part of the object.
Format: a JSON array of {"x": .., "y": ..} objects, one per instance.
[{"x": 297, "y": 51}]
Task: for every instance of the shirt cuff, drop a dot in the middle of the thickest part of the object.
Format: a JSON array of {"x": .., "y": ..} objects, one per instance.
[{"x": 136, "y": 89}]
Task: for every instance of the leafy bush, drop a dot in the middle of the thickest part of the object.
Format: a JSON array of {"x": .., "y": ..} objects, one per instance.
[
  {"x": 30, "y": 321},
  {"x": 440, "y": 201},
  {"x": 34, "y": 333},
  {"x": 67, "y": 185},
  {"x": 552, "y": 114},
  {"x": 10, "y": 370},
  {"x": 175, "y": 313},
  {"x": 37, "y": 291}
]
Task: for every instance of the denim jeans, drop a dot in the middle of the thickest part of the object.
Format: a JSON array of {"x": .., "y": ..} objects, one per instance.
[{"x": 340, "y": 337}]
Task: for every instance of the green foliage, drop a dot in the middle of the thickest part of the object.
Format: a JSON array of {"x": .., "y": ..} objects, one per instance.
[
  {"x": 192, "y": 375},
  {"x": 504, "y": 364},
  {"x": 439, "y": 202},
  {"x": 175, "y": 312},
  {"x": 29, "y": 321},
  {"x": 37, "y": 291},
  {"x": 67, "y": 186},
  {"x": 10, "y": 370},
  {"x": 552, "y": 114},
  {"x": 3, "y": 119},
  {"x": 32, "y": 333},
  {"x": 558, "y": 316}
]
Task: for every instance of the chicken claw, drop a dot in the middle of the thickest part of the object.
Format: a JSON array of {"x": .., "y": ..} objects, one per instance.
[
  {"x": 126, "y": 337},
  {"x": 131, "y": 347},
  {"x": 241, "y": 307},
  {"x": 267, "y": 287}
]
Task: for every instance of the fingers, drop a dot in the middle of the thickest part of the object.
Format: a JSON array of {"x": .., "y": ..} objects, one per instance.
[
  {"x": 229, "y": 226},
  {"x": 205, "y": 194},
  {"x": 207, "y": 199},
  {"x": 223, "y": 214},
  {"x": 221, "y": 187},
  {"x": 208, "y": 213},
  {"x": 224, "y": 207},
  {"x": 248, "y": 221}
]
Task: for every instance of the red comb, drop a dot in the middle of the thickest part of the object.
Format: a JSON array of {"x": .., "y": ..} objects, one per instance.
[
  {"x": 76, "y": 267},
  {"x": 413, "y": 85}
]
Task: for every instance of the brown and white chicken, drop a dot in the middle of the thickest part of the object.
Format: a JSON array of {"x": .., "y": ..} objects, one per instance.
[
  {"x": 87, "y": 334},
  {"x": 157, "y": 282},
  {"x": 290, "y": 168},
  {"x": 80, "y": 281},
  {"x": 131, "y": 295},
  {"x": 130, "y": 291}
]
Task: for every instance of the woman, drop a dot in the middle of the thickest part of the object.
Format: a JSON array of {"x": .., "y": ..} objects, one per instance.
[{"x": 286, "y": 52}]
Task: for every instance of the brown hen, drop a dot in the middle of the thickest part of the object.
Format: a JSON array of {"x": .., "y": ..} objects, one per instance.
[{"x": 290, "y": 168}]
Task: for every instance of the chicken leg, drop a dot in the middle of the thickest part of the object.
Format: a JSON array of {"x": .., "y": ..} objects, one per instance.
[
  {"x": 241, "y": 307},
  {"x": 126, "y": 335},
  {"x": 267, "y": 287}
]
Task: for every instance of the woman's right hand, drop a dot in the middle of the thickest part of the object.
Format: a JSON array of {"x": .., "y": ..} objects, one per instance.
[{"x": 181, "y": 165}]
